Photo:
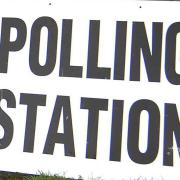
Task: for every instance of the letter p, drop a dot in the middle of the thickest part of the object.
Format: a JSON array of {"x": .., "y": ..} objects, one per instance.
[{"x": 6, "y": 45}]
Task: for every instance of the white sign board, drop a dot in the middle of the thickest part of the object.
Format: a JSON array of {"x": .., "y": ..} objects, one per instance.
[{"x": 90, "y": 88}]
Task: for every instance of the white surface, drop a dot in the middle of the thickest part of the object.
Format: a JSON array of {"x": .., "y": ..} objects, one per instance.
[{"x": 20, "y": 79}]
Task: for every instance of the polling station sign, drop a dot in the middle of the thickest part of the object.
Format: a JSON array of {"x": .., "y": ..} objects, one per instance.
[{"x": 90, "y": 88}]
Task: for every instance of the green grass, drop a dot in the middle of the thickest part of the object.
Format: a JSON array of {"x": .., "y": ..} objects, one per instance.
[
  {"x": 48, "y": 176},
  {"x": 45, "y": 178},
  {"x": 40, "y": 176}
]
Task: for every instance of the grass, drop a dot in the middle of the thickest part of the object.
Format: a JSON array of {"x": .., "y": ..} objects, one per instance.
[
  {"x": 45, "y": 178},
  {"x": 48, "y": 176},
  {"x": 41, "y": 176}
]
